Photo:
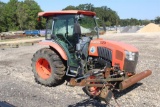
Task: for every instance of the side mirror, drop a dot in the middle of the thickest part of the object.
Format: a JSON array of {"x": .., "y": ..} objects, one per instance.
[{"x": 77, "y": 28}]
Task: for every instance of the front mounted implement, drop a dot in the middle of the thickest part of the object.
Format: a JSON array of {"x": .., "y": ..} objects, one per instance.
[{"x": 100, "y": 84}]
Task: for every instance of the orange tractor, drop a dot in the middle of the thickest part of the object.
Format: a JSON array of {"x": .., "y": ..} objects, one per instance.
[{"x": 77, "y": 55}]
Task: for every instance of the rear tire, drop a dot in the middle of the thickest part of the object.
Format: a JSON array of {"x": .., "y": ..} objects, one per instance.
[{"x": 48, "y": 67}]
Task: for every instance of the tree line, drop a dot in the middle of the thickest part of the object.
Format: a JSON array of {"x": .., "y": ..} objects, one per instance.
[
  {"x": 22, "y": 15},
  {"x": 110, "y": 17},
  {"x": 106, "y": 15},
  {"x": 19, "y": 15}
]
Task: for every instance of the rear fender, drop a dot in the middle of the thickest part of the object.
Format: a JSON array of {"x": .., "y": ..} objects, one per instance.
[{"x": 56, "y": 47}]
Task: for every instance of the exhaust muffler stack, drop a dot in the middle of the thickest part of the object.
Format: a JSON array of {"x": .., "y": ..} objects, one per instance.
[{"x": 134, "y": 79}]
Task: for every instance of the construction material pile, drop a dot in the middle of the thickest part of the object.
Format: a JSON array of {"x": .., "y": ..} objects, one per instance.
[
  {"x": 130, "y": 29},
  {"x": 150, "y": 28}
]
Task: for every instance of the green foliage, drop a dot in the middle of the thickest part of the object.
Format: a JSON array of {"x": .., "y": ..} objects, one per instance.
[
  {"x": 70, "y": 7},
  {"x": 133, "y": 22},
  {"x": 80, "y": 7},
  {"x": 110, "y": 17},
  {"x": 87, "y": 22},
  {"x": 108, "y": 23},
  {"x": 157, "y": 20},
  {"x": 2, "y": 18},
  {"x": 10, "y": 15},
  {"x": 19, "y": 15},
  {"x": 106, "y": 15},
  {"x": 32, "y": 9},
  {"x": 145, "y": 22},
  {"x": 89, "y": 7},
  {"x": 22, "y": 15}
]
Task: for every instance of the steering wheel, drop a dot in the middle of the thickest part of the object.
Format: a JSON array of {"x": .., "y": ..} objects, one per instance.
[
  {"x": 63, "y": 38},
  {"x": 60, "y": 36}
]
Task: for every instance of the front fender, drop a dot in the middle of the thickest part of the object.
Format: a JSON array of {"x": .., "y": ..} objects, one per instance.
[{"x": 56, "y": 47}]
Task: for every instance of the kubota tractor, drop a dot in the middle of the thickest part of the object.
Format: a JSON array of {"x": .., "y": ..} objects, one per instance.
[{"x": 76, "y": 54}]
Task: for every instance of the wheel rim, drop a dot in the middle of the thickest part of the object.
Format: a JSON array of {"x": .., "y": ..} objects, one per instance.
[
  {"x": 94, "y": 91},
  {"x": 43, "y": 68}
]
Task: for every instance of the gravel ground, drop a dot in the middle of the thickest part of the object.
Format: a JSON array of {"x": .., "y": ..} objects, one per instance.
[{"x": 17, "y": 85}]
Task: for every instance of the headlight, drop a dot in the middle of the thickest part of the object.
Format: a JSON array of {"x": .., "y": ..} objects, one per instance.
[{"x": 130, "y": 55}]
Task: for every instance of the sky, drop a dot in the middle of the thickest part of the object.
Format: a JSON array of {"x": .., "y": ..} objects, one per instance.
[{"x": 139, "y": 9}]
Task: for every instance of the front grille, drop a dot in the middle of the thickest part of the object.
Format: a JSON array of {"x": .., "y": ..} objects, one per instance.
[
  {"x": 105, "y": 53},
  {"x": 130, "y": 66}
]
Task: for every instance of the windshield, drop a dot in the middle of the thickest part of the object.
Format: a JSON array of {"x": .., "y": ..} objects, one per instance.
[
  {"x": 88, "y": 26},
  {"x": 62, "y": 27}
]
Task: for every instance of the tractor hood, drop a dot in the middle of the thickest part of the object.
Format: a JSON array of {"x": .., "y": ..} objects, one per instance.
[
  {"x": 123, "y": 45},
  {"x": 113, "y": 45},
  {"x": 117, "y": 52}
]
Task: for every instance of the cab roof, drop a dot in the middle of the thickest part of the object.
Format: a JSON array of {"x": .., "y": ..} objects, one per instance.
[{"x": 53, "y": 13}]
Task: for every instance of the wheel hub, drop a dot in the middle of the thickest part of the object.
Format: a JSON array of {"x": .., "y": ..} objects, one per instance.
[{"x": 43, "y": 68}]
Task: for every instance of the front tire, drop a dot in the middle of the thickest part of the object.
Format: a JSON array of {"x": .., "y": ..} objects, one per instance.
[
  {"x": 48, "y": 67},
  {"x": 93, "y": 91}
]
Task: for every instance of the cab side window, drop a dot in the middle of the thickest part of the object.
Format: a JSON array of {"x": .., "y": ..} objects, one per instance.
[{"x": 49, "y": 28}]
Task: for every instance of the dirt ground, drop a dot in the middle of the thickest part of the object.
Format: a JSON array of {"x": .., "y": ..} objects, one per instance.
[
  {"x": 17, "y": 85},
  {"x": 23, "y": 40}
]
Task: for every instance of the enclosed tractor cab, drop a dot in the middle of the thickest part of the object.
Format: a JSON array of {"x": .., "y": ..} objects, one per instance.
[{"x": 76, "y": 54}]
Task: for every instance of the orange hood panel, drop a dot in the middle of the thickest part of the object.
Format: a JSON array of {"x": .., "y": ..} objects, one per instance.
[
  {"x": 123, "y": 46},
  {"x": 113, "y": 45}
]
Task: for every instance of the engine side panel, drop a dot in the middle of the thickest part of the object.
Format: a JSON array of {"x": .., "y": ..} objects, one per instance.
[{"x": 107, "y": 48}]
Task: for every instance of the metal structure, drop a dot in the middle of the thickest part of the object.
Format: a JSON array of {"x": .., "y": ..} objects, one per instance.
[{"x": 99, "y": 65}]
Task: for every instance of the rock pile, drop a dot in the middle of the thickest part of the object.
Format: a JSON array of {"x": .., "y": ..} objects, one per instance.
[{"x": 130, "y": 29}]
